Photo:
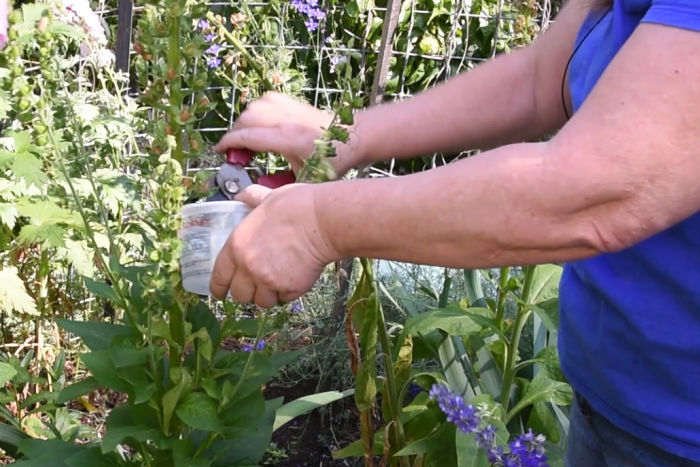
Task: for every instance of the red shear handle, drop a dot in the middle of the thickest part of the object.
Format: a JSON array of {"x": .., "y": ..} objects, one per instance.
[{"x": 239, "y": 156}]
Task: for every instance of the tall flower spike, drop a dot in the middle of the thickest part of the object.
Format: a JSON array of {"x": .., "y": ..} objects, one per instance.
[{"x": 527, "y": 450}]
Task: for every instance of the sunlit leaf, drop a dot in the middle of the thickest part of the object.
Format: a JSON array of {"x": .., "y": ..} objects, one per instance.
[{"x": 13, "y": 294}]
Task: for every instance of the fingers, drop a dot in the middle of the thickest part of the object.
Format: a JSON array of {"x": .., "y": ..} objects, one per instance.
[
  {"x": 222, "y": 275},
  {"x": 257, "y": 139},
  {"x": 253, "y": 195}
]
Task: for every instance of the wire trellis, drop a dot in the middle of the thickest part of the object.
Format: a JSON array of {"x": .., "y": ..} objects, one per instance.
[{"x": 459, "y": 54}]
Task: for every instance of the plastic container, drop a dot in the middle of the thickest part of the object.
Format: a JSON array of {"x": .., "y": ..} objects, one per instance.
[{"x": 205, "y": 229}]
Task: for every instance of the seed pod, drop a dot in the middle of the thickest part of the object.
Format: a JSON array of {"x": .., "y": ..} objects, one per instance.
[
  {"x": 185, "y": 115},
  {"x": 170, "y": 75}
]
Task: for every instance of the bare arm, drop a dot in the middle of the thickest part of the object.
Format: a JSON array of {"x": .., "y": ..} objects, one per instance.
[
  {"x": 622, "y": 169},
  {"x": 512, "y": 98},
  {"x": 625, "y": 167}
]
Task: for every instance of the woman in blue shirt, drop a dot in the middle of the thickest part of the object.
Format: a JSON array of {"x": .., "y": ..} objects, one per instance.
[{"x": 614, "y": 194}]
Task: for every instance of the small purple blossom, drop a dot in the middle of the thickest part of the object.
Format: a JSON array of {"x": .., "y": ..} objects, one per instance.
[
  {"x": 203, "y": 24},
  {"x": 296, "y": 307},
  {"x": 213, "y": 62},
  {"x": 527, "y": 450},
  {"x": 213, "y": 49},
  {"x": 310, "y": 9},
  {"x": 209, "y": 37},
  {"x": 249, "y": 347}
]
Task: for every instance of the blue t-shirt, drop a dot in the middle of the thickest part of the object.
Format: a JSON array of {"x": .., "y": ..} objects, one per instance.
[{"x": 630, "y": 321}]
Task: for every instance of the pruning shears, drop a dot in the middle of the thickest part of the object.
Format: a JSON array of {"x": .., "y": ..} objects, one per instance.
[{"x": 233, "y": 177}]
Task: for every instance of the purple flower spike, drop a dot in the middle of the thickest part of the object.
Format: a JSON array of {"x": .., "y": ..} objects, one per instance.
[{"x": 527, "y": 450}]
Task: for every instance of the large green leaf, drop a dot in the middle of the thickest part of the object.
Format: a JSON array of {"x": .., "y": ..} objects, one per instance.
[
  {"x": 548, "y": 311},
  {"x": 439, "y": 447},
  {"x": 28, "y": 167},
  {"x": 72, "y": 392},
  {"x": 96, "y": 335},
  {"x": 101, "y": 289},
  {"x": 199, "y": 411},
  {"x": 542, "y": 420},
  {"x": 453, "y": 319},
  {"x": 543, "y": 389},
  {"x": 183, "y": 382},
  {"x": 545, "y": 282},
  {"x": 246, "y": 450},
  {"x": 306, "y": 404},
  {"x": 49, "y": 234},
  {"x": 10, "y": 438},
  {"x": 103, "y": 370},
  {"x": 121, "y": 427}
]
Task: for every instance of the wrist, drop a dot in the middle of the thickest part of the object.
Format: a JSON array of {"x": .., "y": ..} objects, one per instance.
[{"x": 353, "y": 153}]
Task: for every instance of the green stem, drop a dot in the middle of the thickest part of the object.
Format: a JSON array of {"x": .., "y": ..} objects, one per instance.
[
  {"x": 502, "y": 293},
  {"x": 86, "y": 222},
  {"x": 174, "y": 52},
  {"x": 261, "y": 329},
  {"x": 177, "y": 331},
  {"x": 512, "y": 349}
]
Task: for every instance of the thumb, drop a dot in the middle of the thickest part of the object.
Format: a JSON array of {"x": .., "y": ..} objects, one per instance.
[{"x": 253, "y": 195}]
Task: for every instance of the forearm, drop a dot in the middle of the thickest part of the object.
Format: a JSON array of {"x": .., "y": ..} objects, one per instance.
[
  {"x": 487, "y": 211},
  {"x": 485, "y": 107}
]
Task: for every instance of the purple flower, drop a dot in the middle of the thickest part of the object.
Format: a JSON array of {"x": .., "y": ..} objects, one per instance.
[
  {"x": 249, "y": 347},
  {"x": 203, "y": 24},
  {"x": 213, "y": 49},
  {"x": 526, "y": 450},
  {"x": 310, "y": 9},
  {"x": 296, "y": 307},
  {"x": 213, "y": 62},
  {"x": 209, "y": 37}
]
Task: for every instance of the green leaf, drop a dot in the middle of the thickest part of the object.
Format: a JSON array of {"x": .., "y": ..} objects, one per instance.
[
  {"x": 454, "y": 320},
  {"x": 67, "y": 30},
  {"x": 199, "y": 411},
  {"x": 125, "y": 354},
  {"x": 101, "y": 289},
  {"x": 542, "y": 389},
  {"x": 96, "y": 335},
  {"x": 468, "y": 453},
  {"x": 47, "y": 212},
  {"x": 439, "y": 446},
  {"x": 545, "y": 282},
  {"x": 79, "y": 254},
  {"x": 10, "y": 438},
  {"x": 72, "y": 392},
  {"x": 548, "y": 311},
  {"x": 51, "y": 234},
  {"x": 549, "y": 359},
  {"x": 122, "y": 427},
  {"x": 172, "y": 397},
  {"x": 13, "y": 294},
  {"x": 27, "y": 167},
  {"x": 542, "y": 420},
  {"x": 104, "y": 371},
  {"x": 306, "y": 404},
  {"x": 248, "y": 450},
  {"x": 8, "y": 215}
]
